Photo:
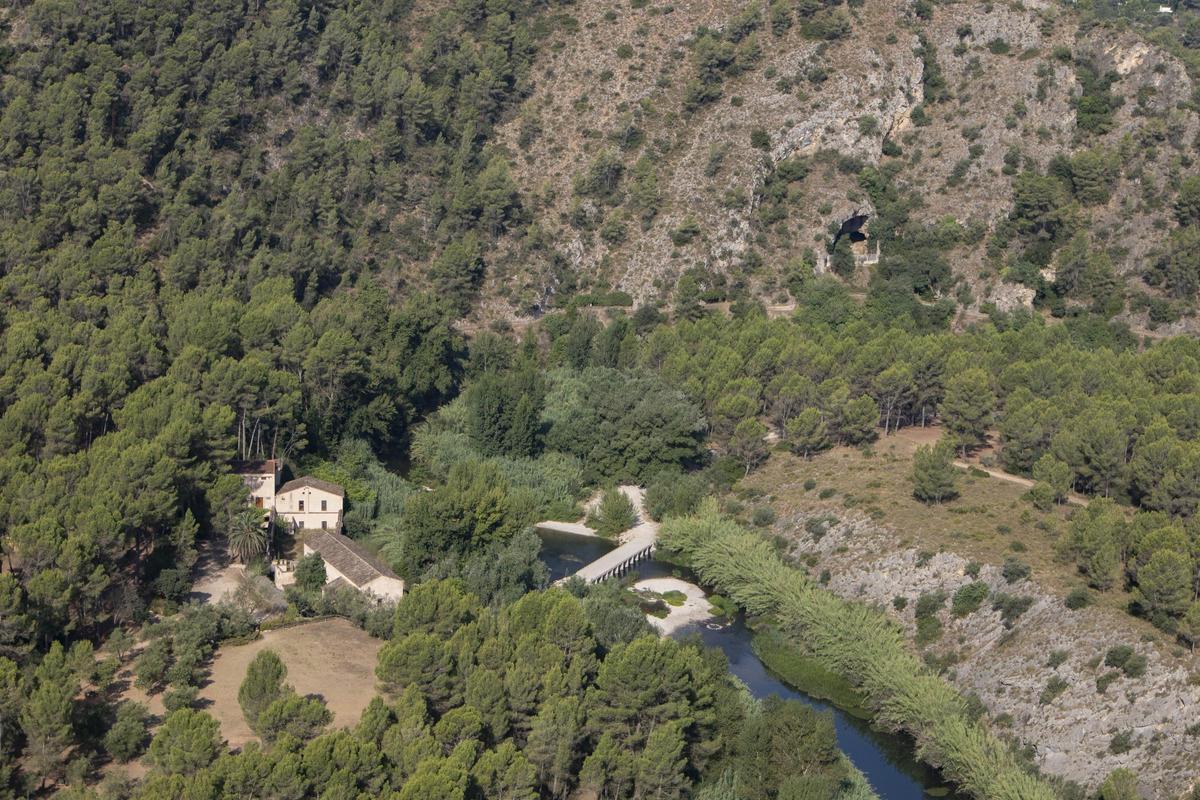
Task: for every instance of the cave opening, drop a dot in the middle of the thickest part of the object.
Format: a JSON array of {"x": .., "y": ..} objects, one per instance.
[{"x": 852, "y": 229}]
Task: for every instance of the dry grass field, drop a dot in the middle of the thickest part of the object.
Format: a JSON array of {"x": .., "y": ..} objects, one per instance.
[
  {"x": 330, "y": 658},
  {"x": 988, "y": 522}
]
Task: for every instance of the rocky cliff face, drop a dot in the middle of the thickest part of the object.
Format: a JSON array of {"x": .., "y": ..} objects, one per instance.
[
  {"x": 1010, "y": 668},
  {"x": 616, "y": 79}
]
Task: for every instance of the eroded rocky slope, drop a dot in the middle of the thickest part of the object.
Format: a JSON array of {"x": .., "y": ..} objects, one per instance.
[
  {"x": 1009, "y": 668},
  {"x": 992, "y": 86}
]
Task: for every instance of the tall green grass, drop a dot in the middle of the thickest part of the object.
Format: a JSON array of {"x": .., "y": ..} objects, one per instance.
[{"x": 862, "y": 646}]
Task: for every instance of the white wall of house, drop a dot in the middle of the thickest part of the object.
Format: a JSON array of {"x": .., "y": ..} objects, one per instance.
[
  {"x": 309, "y": 507},
  {"x": 385, "y": 588},
  {"x": 262, "y": 489}
]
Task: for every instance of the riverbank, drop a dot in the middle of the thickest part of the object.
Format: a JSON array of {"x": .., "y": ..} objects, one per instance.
[
  {"x": 692, "y": 609},
  {"x": 804, "y": 673},
  {"x": 858, "y": 640},
  {"x": 888, "y": 762}
]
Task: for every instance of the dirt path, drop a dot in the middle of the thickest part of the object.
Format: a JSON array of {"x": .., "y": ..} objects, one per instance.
[
  {"x": 216, "y": 577},
  {"x": 913, "y": 437},
  {"x": 1072, "y": 498}
]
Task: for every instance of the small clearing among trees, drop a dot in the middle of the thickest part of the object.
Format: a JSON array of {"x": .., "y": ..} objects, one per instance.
[{"x": 332, "y": 658}]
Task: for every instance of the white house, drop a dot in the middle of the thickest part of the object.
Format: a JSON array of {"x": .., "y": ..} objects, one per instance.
[
  {"x": 310, "y": 503},
  {"x": 261, "y": 478},
  {"x": 349, "y": 563}
]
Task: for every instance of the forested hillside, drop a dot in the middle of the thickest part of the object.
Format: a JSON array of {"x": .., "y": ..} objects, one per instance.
[
  {"x": 209, "y": 214},
  {"x": 521, "y": 252}
]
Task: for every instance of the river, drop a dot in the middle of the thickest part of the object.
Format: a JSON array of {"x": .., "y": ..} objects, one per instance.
[{"x": 886, "y": 759}]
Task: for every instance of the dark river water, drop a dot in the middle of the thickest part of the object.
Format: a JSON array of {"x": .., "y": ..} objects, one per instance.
[{"x": 887, "y": 760}]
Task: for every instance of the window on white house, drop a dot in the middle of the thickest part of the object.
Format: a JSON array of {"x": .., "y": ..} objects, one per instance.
[
  {"x": 323, "y": 508},
  {"x": 301, "y": 505},
  {"x": 324, "y": 524}
]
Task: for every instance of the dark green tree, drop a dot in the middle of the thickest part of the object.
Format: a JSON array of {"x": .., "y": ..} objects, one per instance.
[
  {"x": 934, "y": 475},
  {"x": 262, "y": 686},
  {"x": 187, "y": 742},
  {"x": 310, "y": 573}
]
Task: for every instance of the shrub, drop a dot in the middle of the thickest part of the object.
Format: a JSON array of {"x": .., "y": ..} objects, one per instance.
[
  {"x": 810, "y": 484},
  {"x": 1015, "y": 570},
  {"x": 1105, "y": 680},
  {"x": 1078, "y": 598},
  {"x": 674, "y": 494},
  {"x": 1134, "y": 666},
  {"x": 969, "y": 598},
  {"x": 722, "y": 606},
  {"x": 1011, "y": 607},
  {"x": 674, "y": 597},
  {"x": 1057, "y": 658},
  {"x": 972, "y": 569},
  {"x": 929, "y": 629},
  {"x": 688, "y": 230},
  {"x": 899, "y": 602},
  {"x": 817, "y": 527},
  {"x": 1054, "y": 687},
  {"x": 1117, "y": 656},
  {"x": 763, "y": 516},
  {"x": 127, "y": 738},
  {"x": 1121, "y": 742},
  {"x": 929, "y": 603},
  {"x": 826, "y": 493}
]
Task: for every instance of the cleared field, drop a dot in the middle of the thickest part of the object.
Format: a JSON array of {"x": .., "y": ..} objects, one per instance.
[
  {"x": 331, "y": 659},
  {"x": 988, "y": 522}
]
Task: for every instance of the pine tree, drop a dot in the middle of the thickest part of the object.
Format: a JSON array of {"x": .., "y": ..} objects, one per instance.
[
  {"x": 488, "y": 414},
  {"x": 660, "y": 765},
  {"x": 857, "y": 420},
  {"x": 1166, "y": 584},
  {"x": 934, "y": 476},
  {"x": 607, "y": 771},
  {"x": 262, "y": 686},
  {"x": 484, "y": 692},
  {"x": 1189, "y": 626},
  {"x": 188, "y": 741},
  {"x": 46, "y": 715},
  {"x": 807, "y": 433},
  {"x": 747, "y": 445},
  {"x": 11, "y": 699},
  {"x": 552, "y": 743},
  {"x": 1055, "y": 474},
  {"x": 967, "y": 408},
  {"x": 506, "y": 773}
]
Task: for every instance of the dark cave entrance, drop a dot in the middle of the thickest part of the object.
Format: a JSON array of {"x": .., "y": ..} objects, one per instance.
[{"x": 852, "y": 229}]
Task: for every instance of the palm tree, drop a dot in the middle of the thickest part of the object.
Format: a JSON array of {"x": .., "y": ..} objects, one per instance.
[{"x": 247, "y": 535}]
